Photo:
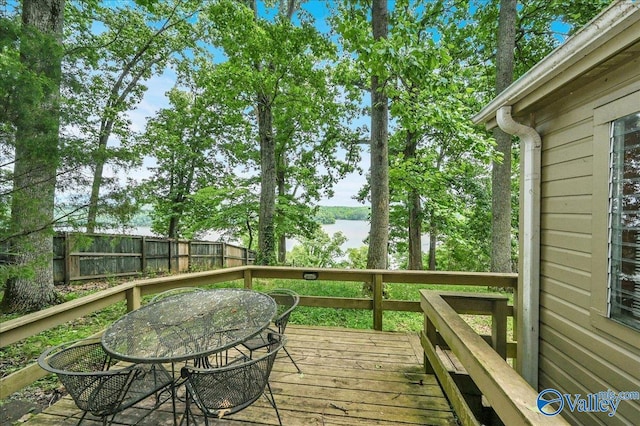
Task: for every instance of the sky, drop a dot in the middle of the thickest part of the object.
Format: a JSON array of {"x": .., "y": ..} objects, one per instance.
[{"x": 155, "y": 99}]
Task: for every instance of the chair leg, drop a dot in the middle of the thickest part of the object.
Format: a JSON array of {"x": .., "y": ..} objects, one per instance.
[
  {"x": 291, "y": 358},
  {"x": 187, "y": 410},
  {"x": 84, "y": 414},
  {"x": 272, "y": 401}
]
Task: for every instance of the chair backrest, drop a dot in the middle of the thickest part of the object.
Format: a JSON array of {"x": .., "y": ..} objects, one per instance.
[
  {"x": 174, "y": 291},
  {"x": 83, "y": 369},
  {"x": 287, "y": 301},
  {"x": 231, "y": 388}
]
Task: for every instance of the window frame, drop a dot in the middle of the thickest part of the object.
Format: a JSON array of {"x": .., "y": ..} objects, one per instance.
[
  {"x": 617, "y": 170},
  {"x": 604, "y": 114}
]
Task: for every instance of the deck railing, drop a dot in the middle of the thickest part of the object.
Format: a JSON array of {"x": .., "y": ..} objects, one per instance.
[
  {"x": 471, "y": 367},
  {"x": 132, "y": 292}
]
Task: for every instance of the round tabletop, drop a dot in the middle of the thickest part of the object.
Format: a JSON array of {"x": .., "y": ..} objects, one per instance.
[{"x": 189, "y": 325}]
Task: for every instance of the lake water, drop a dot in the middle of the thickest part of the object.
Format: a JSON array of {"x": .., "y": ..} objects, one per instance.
[{"x": 355, "y": 231}]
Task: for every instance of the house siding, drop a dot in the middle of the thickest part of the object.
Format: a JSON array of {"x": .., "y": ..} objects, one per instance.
[{"x": 575, "y": 356}]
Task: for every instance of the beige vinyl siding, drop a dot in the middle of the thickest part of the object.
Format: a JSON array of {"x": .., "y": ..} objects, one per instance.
[
  {"x": 572, "y": 223},
  {"x": 580, "y": 148},
  {"x": 576, "y": 204},
  {"x": 566, "y": 275},
  {"x": 576, "y": 357},
  {"x": 567, "y": 240}
]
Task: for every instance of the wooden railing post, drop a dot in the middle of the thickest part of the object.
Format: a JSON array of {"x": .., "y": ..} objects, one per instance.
[
  {"x": 134, "y": 298},
  {"x": 377, "y": 302},
  {"x": 431, "y": 334},
  {"x": 248, "y": 279},
  {"x": 499, "y": 327}
]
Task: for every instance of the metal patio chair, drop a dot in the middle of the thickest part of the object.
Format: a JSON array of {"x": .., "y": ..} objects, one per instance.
[
  {"x": 287, "y": 301},
  {"x": 96, "y": 385},
  {"x": 223, "y": 391}
]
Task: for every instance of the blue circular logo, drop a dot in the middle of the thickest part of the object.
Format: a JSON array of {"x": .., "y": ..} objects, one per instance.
[{"x": 548, "y": 397}]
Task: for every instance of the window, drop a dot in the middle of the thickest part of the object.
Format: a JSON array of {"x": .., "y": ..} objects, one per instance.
[{"x": 624, "y": 221}]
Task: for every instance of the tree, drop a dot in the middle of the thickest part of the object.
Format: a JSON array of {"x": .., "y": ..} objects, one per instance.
[
  {"x": 130, "y": 51},
  {"x": 229, "y": 208},
  {"x": 182, "y": 140},
  {"x": 320, "y": 250},
  {"x": 276, "y": 78},
  {"x": 432, "y": 96},
  {"x": 33, "y": 115},
  {"x": 379, "y": 234},
  {"x": 523, "y": 36},
  {"x": 363, "y": 32},
  {"x": 501, "y": 172}
]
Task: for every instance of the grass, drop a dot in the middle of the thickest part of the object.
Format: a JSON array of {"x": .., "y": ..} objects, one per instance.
[{"x": 363, "y": 319}]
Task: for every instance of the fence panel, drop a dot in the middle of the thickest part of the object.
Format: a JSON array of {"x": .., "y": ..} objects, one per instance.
[
  {"x": 89, "y": 256},
  {"x": 206, "y": 255},
  {"x": 156, "y": 255},
  {"x": 235, "y": 256}
]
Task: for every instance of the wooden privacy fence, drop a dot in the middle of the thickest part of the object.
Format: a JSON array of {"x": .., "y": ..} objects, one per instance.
[{"x": 79, "y": 256}]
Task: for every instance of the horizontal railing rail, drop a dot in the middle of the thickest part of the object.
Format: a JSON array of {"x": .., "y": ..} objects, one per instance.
[{"x": 13, "y": 331}]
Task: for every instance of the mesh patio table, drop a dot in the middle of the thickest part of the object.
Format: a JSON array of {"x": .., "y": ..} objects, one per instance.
[{"x": 189, "y": 326}]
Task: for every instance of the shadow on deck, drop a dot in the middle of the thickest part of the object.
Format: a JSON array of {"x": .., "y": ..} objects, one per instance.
[{"x": 350, "y": 377}]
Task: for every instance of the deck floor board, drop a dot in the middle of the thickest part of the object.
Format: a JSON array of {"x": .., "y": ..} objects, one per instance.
[{"x": 350, "y": 377}]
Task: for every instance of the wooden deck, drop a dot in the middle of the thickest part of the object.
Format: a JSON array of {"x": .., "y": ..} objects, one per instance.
[{"x": 350, "y": 377}]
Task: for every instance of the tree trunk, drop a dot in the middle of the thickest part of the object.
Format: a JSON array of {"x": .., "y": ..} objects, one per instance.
[
  {"x": 377, "y": 255},
  {"x": 433, "y": 238},
  {"x": 174, "y": 222},
  {"x": 501, "y": 172},
  {"x": 282, "y": 238},
  {"x": 36, "y": 162},
  {"x": 415, "y": 231},
  {"x": 117, "y": 98},
  {"x": 379, "y": 233},
  {"x": 266, "y": 227},
  {"x": 415, "y": 211},
  {"x": 97, "y": 180}
]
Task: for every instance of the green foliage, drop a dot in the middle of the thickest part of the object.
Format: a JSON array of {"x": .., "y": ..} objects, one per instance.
[
  {"x": 541, "y": 26},
  {"x": 276, "y": 86},
  {"x": 27, "y": 350},
  {"x": 329, "y": 214},
  {"x": 230, "y": 208},
  {"x": 181, "y": 139},
  {"x": 318, "y": 250},
  {"x": 437, "y": 63},
  {"x": 357, "y": 257}
]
